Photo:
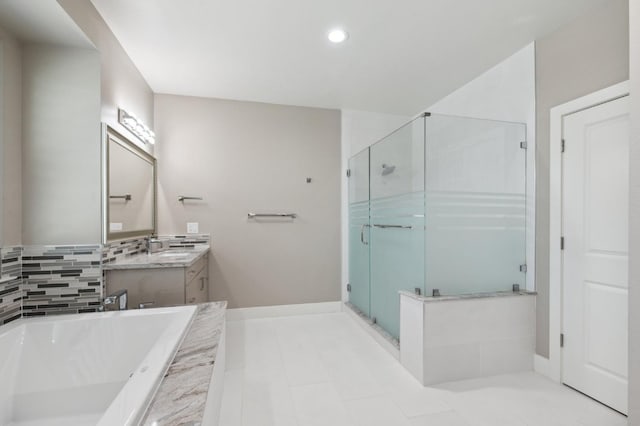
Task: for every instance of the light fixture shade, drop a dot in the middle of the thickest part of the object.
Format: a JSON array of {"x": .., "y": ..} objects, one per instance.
[
  {"x": 337, "y": 35},
  {"x": 136, "y": 126}
]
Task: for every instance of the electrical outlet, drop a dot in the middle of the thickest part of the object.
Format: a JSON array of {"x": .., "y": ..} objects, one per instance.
[
  {"x": 192, "y": 227},
  {"x": 115, "y": 226}
]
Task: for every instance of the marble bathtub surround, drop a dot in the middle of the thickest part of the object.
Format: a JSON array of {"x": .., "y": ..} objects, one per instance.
[{"x": 182, "y": 395}]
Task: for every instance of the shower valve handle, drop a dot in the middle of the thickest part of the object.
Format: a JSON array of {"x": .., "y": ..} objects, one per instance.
[{"x": 362, "y": 233}]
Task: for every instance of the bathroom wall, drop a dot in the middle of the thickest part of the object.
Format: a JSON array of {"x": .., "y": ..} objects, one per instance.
[
  {"x": 246, "y": 157},
  {"x": 634, "y": 214},
  {"x": 10, "y": 140},
  {"x": 122, "y": 85},
  {"x": 586, "y": 55},
  {"x": 61, "y": 199}
]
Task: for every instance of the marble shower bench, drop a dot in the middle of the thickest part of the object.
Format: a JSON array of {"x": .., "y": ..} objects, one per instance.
[{"x": 449, "y": 338}]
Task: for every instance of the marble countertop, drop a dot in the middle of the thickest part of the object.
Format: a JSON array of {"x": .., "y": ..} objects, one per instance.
[
  {"x": 430, "y": 299},
  {"x": 172, "y": 258},
  {"x": 182, "y": 395}
]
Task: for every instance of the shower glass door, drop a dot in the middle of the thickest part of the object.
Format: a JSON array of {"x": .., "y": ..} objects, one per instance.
[
  {"x": 359, "y": 231},
  {"x": 397, "y": 222},
  {"x": 475, "y": 205}
]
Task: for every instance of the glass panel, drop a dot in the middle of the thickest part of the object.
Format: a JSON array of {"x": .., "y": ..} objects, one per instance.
[
  {"x": 475, "y": 205},
  {"x": 359, "y": 231},
  {"x": 397, "y": 221}
]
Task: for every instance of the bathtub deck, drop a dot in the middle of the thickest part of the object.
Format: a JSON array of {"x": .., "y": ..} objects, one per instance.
[
  {"x": 84, "y": 420},
  {"x": 182, "y": 395}
]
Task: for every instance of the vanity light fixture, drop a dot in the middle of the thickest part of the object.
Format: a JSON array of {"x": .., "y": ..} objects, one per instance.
[
  {"x": 137, "y": 127},
  {"x": 337, "y": 35}
]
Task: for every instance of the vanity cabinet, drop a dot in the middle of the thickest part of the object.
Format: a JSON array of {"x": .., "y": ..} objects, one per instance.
[{"x": 154, "y": 287}]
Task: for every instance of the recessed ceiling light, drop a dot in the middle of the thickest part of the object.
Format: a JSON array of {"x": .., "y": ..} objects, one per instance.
[{"x": 338, "y": 36}]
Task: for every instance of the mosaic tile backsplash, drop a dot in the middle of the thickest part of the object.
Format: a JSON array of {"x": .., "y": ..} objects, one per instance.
[
  {"x": 10, "y": 284},
  {"x": 120, "y": 249},
  {"x": 61, "y": 279},
  {"x": 50, "y": 280},
  {"x": 186, "y": 240}
]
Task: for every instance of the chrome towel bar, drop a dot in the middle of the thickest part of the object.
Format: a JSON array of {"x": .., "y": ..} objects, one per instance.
[
  {"x": 254, "y": 215},
  {"x": 126, "y": 197},
  {"x": 181, "y": 198}
]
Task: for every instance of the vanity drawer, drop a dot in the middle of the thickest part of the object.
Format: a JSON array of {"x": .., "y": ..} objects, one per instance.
[
  {"x": 197, "y": 290},
  {"x": 195, "y": 269}
]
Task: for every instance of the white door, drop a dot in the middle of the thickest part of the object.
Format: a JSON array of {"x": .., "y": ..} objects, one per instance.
[{"x": 595, "y": 206}]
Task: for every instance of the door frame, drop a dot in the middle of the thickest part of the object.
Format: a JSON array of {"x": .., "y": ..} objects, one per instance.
[{"x": 554, "y": 368}]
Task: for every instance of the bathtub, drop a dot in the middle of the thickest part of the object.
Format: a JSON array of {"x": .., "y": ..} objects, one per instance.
[{"x": 90, "y": 369}]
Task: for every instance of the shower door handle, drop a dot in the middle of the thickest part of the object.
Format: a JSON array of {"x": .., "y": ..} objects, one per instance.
[
  {"x": 362, "y": 234},
  {"x": 376, "y": 225}
]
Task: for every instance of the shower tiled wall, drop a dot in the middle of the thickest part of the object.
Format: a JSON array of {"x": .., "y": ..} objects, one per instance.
[
  {"x": 61, "y": 279},
  {"x": 10, "y": 284}
]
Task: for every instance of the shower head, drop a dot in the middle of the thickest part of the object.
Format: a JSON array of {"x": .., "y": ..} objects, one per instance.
[{"x": 387, "y": 170}]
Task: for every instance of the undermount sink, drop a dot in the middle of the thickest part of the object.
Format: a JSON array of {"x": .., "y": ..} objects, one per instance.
[{"x": 171, "y": 254}]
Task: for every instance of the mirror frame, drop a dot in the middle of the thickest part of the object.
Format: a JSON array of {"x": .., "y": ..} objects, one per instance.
[{"x": 109, "y": 134}]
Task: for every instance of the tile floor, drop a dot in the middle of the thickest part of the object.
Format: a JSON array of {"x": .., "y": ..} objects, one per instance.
[{"x": 324, "y": 370}]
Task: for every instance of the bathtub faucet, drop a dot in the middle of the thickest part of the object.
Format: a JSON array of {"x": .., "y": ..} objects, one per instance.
[{"x": 116, "y": 301}]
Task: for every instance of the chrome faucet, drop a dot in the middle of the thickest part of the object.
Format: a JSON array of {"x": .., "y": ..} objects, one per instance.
[
  {"x": 155, "y": 245},
  {"x": 117, "y": 301}
]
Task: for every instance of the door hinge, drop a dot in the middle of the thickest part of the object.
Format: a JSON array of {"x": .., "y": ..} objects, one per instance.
[
  {"x": 562, "y": 340},
  {"x": 561, "y": 243},
  {"x": 349, "y": 288},
  {"x": 523, "y": 144},
  {"x": 562, "y": 146},
  {"x": 523, "y": 268},
  {"x": 348, "y": 172}
]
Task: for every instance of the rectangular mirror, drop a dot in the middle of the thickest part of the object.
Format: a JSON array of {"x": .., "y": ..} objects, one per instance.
[{"x": 130, "y": 188}]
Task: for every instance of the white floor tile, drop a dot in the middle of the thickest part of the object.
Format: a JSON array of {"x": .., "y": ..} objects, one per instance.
[
  {"x": 446, "y": 418},
  {"x": 319, "y": 405},
  {"x": 267, "y": 403},
  {"x": 376, "y": 411},
  {"x": 324, "y": 370},
  {"x": 349, "y": 375},
  {"x": 421, "y": 402}
]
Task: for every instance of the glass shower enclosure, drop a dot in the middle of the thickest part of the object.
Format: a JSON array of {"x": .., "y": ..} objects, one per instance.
[{"x": 437, "y": 207}]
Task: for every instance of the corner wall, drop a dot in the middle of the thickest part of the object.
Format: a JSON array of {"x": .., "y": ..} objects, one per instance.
[
  {"x": 61, "y": 198},
  {"x": 586, "y": 55},
  {"x": 10, "y": 141},
  {"x": 634, "y": 217},
  {"x": 122, "y": 85}
]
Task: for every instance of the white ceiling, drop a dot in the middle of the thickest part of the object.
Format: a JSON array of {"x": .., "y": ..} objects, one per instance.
[{"x": 401, "y": 56}]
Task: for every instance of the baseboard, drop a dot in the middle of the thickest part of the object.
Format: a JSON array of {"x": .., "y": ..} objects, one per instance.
[
  {"x": 541, "y": 365},
  {"x": 368, "y": 328},
  {"x": 257, "y": 312}
]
